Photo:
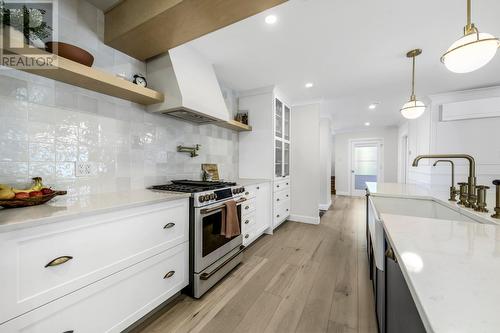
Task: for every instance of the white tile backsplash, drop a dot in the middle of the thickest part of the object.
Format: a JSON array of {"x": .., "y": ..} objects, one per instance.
[{"x": 46, "y": 127}]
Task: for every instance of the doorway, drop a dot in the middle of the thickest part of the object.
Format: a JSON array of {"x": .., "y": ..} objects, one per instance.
[{"x": 366, "y": 164}]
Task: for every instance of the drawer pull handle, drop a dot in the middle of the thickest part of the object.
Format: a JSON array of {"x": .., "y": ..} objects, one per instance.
[
  {"x": 258, "y": 187},
  {"x": 247, "y": 207},
  {"x": 169, "y": 275},
  {"x": 247, "y": 193},
  {"x": 69, "y": 331},
  {"x": 278, "y": 199},
  {"x": 287, "y": 209},
  {"x": 247, "y": 221},
  {"x": 277, "y": 186},
  {"x": 277, "y": 216},
  {"x": 287, "y": 183},
  {"x": 287, "y": 195},
  {"x": 59, "y": 261},
  {"x": 169, "y": 225},
  {"x": 247, "y": 235}
]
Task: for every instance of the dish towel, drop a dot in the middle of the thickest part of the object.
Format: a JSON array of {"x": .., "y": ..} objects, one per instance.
[{"x": 230, "y": 222}]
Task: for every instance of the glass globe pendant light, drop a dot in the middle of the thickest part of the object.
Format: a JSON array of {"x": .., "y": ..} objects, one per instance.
[
  {"x": 413, "y": 108},
  {"x": 474, "y": 50}
]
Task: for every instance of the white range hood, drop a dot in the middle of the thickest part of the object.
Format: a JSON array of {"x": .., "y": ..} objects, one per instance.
[{"x": 191, "y": 89}]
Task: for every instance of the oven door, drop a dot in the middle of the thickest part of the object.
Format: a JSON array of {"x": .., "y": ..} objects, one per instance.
[{"x": 209, "y": 245}]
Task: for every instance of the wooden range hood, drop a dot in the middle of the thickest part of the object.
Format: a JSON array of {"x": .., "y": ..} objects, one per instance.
[{"x": 147, "y": 28}]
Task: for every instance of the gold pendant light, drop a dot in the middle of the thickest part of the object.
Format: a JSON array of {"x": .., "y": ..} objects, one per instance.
[
  {"x": 413, "y": 108},
  {"x": 472, "y": 51}
]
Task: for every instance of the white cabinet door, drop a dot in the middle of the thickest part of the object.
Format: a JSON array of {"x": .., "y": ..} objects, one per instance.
[
  {"x": 263, "y": 211},
  {"x": 114, "y": 303},
  {"x": 95, "y": 247}
]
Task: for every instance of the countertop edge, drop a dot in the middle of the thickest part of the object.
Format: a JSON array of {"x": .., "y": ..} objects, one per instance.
[
  {"x": 31, "y": 223},
  {"x": 411, "y": 287}
]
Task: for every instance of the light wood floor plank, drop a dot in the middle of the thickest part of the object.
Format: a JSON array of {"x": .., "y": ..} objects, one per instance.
[{"x": 304, "y": 278}]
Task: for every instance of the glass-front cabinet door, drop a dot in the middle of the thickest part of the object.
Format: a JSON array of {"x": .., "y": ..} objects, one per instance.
[
  {"x": 278, "y": 118},
  {"x": 286, "y": 159},
  {"x": 278, "y": 158},
  {"x": 286, "y": 132}
]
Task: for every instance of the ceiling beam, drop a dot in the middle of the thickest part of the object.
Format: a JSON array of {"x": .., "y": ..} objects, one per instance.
[{"x": 146, "y": 28}]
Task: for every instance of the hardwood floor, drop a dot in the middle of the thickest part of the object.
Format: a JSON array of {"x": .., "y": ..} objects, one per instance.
[{"x": 304, "y": 278}]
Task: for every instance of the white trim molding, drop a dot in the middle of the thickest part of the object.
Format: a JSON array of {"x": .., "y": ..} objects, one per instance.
[
  {"x": 325, "y": 206},
  {"x": 304, "y": 219}
]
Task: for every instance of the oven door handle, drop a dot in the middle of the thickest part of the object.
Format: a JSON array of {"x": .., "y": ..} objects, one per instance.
[
  {"x": 210, "y": 210},
  {"x": 206, "y": 276}
]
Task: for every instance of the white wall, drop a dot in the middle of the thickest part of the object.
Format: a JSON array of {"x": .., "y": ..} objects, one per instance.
[
  {"x": 305, "y": 163},
  {"x": 478, "y": 137},
  {"x": 325, "y": 160},
  {"x": 342, "y": 163}
]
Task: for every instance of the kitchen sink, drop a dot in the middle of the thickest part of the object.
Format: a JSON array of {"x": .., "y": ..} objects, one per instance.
[
  {"x": 425, "y": 208},
  {"x": 420, "y": 208}
]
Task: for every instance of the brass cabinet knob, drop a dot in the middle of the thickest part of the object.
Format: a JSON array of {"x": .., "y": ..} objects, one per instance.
[
  {"x": 277, "y": 215},
  {"x": 247, "y": 235},
  {"x": 390, "y": 254},
  {"x": 59, "y": 261},
  {"x": 258, "y": 187},
  {"x": 169, "y": 225},
  {"x": 278, "y": 199},
  {"x": 247, "y": 193},
  {"x": 247, "y": 221},
  {"x": 169, "y": 275},
  {"x": 246, "y": 207}
]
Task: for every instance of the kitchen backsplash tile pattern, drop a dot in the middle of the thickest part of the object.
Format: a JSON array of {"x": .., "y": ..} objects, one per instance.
[{"x": 49, "y": 128}]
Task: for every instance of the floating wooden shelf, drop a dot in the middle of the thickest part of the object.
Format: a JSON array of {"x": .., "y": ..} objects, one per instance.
[
  {"x": 234, "y": 125},
  {"x": 79, "y": 75}
]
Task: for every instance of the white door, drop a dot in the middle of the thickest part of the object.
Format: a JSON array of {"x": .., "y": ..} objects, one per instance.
[{"x": 366, "y": 165}]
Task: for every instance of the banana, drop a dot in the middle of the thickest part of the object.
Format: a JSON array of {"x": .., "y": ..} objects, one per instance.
[
  {"x": 37, "y": 186},
  {"x": 6, "y": 193}
]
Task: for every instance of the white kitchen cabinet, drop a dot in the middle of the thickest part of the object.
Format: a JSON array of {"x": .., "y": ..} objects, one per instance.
[
  {"x": 257, "y": 221},
  {"x": 264, "y": 153},
  {"x": 89, "y": 249},
  {"x": 114, "y": 303}
]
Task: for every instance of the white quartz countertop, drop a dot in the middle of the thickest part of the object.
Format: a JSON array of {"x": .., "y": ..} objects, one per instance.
[
  {"x": 248, "y": 181},
  {"x": 452, "y": 270},
  {"x": 62, "y": 208},
  {"x": 437, "y": 193}
]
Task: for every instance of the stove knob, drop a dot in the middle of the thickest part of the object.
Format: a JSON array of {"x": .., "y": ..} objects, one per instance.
[
  {"x": 207, "y": 197},
  {"x": 201, "y": 198},
  {"x": 212, "y": 196},
  {"x": 242, "y": 189},
  {"x": 234, "y": 191}
]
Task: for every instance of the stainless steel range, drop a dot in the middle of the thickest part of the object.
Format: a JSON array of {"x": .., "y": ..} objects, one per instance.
[{"x": 211, "y": 256}]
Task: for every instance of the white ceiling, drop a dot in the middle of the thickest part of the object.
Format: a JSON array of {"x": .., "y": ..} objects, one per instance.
[
  {"x": 104, "y": 4},
  {"x": 353, "y": 51}
]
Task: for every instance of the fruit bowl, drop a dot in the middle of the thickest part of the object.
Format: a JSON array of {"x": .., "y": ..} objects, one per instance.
[{"x": 31, "y": 201}]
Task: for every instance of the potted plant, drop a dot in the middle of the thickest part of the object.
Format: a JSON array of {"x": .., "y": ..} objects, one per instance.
[{"x": 29, "y": 21}]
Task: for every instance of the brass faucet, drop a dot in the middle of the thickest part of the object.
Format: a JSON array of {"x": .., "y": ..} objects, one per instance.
[
  {"x": 453, "y": 190},
  {"x": 496, "y": 182},
  {"x": 471, "y": 180},
  {"x": 191, "y": 150}
]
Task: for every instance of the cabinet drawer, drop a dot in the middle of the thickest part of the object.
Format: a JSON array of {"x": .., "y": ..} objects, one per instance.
[
  {"x": 247, "y": 222},
  {"x": 247, "y": 207},
  {"x": 282, "y": 211},
  {"x": 280, "y": 185},
  {"x": 114, "y": 303},
  {"x": 281, "y": 196},
  {"x": 251, "y": 191},
  {"x": 94, "y": 247}
]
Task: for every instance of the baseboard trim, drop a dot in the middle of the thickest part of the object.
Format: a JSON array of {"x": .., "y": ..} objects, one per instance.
[
  {"x": 304, "y": 219},
  {"x": 325, "y": 206}
]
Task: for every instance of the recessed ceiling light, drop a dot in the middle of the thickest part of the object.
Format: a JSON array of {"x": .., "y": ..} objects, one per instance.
[
  {"x": 367, "y": 124},
  {"x": 372, "y": 106},
  {"x": 309, "y": 85},
  {"x": 271, "y": 19}
]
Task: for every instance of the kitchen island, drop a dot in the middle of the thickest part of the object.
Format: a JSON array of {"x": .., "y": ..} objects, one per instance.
[{"x": 447, "y": 266}]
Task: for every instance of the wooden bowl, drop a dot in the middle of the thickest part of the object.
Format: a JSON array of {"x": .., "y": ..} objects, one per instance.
[
  {"x": 31, "y": 201},
  {"x": 70, "y": 52}
]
